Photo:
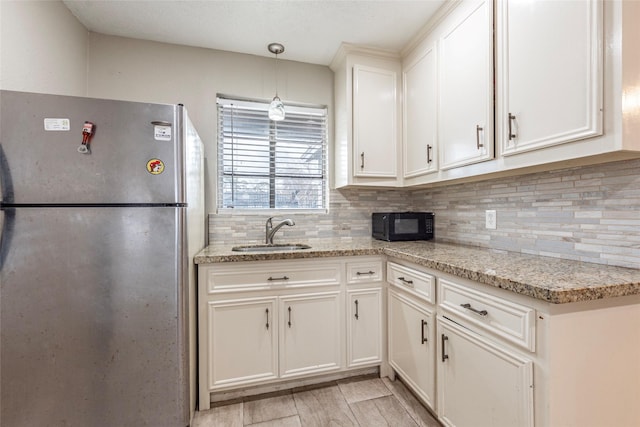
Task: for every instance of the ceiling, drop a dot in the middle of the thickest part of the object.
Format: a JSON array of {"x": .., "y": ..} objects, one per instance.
[{"x": 311, "y": 30}]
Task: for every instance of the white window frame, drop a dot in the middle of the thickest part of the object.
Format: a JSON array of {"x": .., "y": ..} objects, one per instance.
[{"x": 224, "y": 105}]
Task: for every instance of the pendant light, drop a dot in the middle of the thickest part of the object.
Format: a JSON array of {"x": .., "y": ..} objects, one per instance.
[{"x": 276, "y": 109}]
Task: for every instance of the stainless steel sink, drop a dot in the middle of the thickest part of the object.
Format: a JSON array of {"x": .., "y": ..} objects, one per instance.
[{"x": 278, "y": 247}]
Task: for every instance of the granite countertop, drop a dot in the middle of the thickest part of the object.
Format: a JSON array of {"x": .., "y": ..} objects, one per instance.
[{"x": 549, "y": 279}]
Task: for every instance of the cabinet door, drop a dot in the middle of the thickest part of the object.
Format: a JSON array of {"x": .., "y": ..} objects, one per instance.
[
  {"x": 375, "y": 111},
  {"x": 480, "y": 383},
  {"x": 420, "y": 153},
  {"x": 550, "y": 64},
  {"x": 466, "y": 85},
  {"x": 364, "y": 327},
  {"x": 411, "y": 345},
  {"x": 310, "y": 333},
  {"x": 242, "y": 341}
]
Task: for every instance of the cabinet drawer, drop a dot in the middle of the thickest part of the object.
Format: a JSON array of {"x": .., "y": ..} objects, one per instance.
[
  {"x": 252, "y": 276},
  {"x": 364, "y": 271},
  {"x": 414, "y": 281},
  {"x": 511, "y": 321}
]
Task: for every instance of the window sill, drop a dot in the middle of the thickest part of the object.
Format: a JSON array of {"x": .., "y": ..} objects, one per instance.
[{"x": 270, "y": 212}]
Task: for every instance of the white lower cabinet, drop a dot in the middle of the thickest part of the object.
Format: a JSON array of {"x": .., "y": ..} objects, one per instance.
[
  {"x": 242, "y": 344},
  {"x": 466, "y": 378},
  {"x": 507, "y": 360},
  {"x": 411, "y": 343},
  {"x": 364, "y": 326},
  {"x": 253, "y": 340},
  {"x": 310, "y": 333},
  {"x": 264, "y": 322},
  {"x": 481, "y": 383},
  {"x": 474, "y": 354}
]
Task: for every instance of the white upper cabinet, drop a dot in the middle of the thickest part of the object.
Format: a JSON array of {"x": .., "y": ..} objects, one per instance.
[
  {"x": 375, "y": 109},
  {"x": 449, "y": 94},
  {"x": 550, "y": 84},
  {"x": 466, "y": 85},
  {"x": 420, "y": 138},
  {"x": 550, "y": 57},
  {"x": 368, "y": 116}
]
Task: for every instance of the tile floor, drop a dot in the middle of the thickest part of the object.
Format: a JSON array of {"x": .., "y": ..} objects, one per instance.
[{"x": 363, "y": 401}]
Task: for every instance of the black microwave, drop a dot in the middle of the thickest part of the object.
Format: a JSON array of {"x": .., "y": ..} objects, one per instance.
[{"x": 397, "y": 226}]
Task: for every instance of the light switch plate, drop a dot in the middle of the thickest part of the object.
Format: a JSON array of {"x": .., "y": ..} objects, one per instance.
[{"x": 491, "y": 220}]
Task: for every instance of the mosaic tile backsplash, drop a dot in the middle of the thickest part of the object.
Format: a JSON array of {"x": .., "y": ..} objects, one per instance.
[{"x": 589, "y": 213}]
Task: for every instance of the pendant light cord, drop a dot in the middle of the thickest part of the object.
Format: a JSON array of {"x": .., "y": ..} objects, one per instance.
[
  {"x": 277, "y": 76},
  {"x": 276, "y": 108}
]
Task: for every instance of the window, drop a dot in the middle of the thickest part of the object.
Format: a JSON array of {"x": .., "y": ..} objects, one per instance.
[{"x": 264, "y": 164}]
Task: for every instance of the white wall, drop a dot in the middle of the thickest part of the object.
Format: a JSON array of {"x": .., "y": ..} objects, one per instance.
[
  {"x": 137, "y": 70},
  {"x": 43, "y": 48}
]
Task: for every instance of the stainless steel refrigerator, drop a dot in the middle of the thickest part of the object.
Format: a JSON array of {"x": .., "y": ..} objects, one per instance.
[{"x": 101, "y": 212}]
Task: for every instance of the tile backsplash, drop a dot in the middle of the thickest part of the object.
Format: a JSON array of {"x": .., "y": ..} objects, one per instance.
[
  {"x": 349, "y": 217},
  {"x": 589, "y": 213}
]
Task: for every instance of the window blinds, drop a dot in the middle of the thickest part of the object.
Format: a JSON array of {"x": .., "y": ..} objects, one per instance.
[{"x": 264, "y": 164}]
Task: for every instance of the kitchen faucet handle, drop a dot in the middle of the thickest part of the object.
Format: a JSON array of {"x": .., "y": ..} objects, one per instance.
[{"x": 268, "y": 226}]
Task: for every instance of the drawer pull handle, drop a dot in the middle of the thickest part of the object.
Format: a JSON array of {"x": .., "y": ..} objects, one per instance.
[
  {"x": 405, "y": 281},
  {"x": 289, "y": 322},
  {"x": 267, "y": 318},
  {"x": 429, "y": 159},
  {"x": 366, "y": 273},
  {"x": 357, "y": 316},
  {"x": 362, "y": 160},
  {"x": 478, "y": 312},
  {"x": 422, "y": 325},
  {"x": 273, "y": 279},
  {"x": 444, "y": 338}
]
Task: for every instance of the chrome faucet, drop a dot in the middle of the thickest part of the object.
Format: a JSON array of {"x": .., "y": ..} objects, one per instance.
[{"x": 270, "y": 230}]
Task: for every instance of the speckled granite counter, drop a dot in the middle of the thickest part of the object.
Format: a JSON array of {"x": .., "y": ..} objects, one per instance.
[{"x": 549, "y": 279}]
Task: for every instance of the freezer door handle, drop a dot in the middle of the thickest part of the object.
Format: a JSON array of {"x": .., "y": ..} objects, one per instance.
[{"x": 6, "y": 182}]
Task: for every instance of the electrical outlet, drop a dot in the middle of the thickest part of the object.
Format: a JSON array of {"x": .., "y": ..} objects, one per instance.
[{"x": 491, "y": 220}]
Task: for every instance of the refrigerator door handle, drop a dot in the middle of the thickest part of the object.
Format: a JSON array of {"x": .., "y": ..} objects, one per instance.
[
  {"x": 7, "y": 218},
  {"x": 6, "y": 214}
]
